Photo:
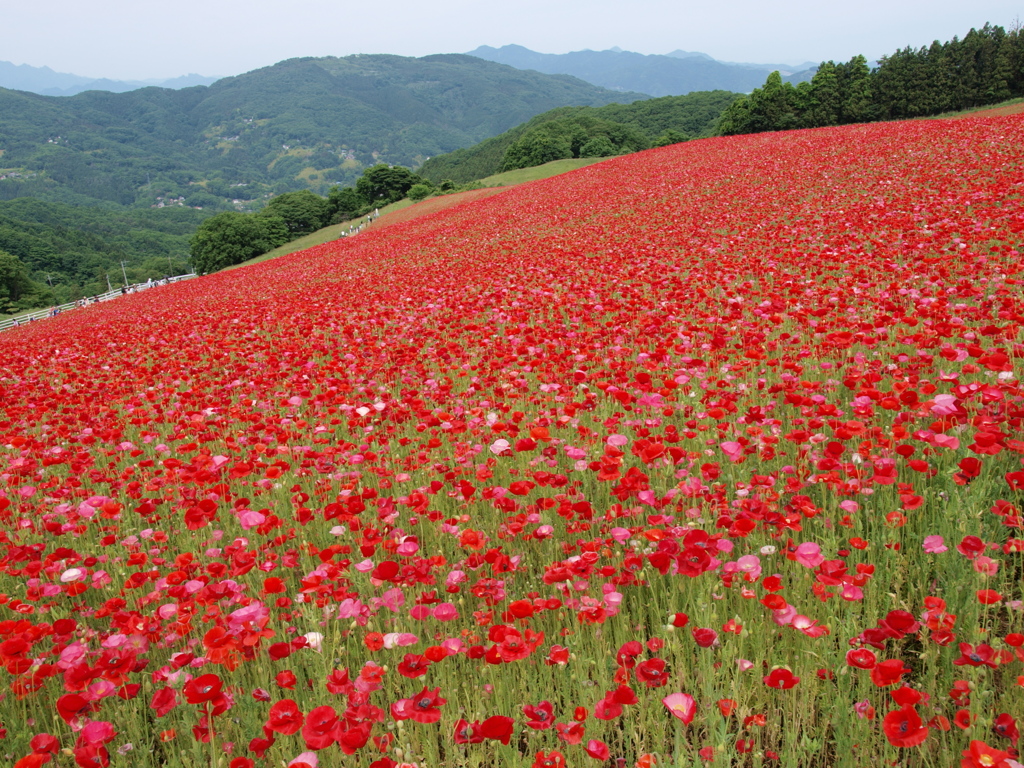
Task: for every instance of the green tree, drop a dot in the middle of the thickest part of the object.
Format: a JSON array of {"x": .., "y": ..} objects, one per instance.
[
  {"x": 825, "y": 97},
  {"x": 228, "y": 238},
  {"x": 855, "y": 90},
  {"x": 303, "y": 211},
  {"x": 17, "y": 289},
  {"x": 599, "y": 146},
  {"x": 671, "y": 136},
  {"x": 774, "y": 106},
  {"x": 735, "y": 119},
  {"x": 535, "y": 148},
  {"x": 419, "y": 192},
  {"x": 344, "y": 203},
  {"x": 382, "y": 184}
]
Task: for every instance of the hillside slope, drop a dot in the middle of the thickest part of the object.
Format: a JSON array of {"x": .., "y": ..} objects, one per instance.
[
  {"x": 724, "y": 430},
  {"x": 684, "y": 117}
]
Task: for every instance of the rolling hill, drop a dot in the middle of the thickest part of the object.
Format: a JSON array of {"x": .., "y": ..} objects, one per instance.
[
  {"x": 302, "y": 123},
  {"x": 639, "y": 125}
]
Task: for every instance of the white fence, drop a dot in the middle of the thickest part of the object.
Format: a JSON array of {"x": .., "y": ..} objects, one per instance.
[{"x": 42, "y": 314}]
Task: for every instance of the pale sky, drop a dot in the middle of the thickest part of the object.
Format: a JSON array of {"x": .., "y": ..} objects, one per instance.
[{"x": 129, "y": 40}]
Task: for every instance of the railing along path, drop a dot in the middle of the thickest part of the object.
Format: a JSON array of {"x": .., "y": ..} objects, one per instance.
[{"x": 42, "y": 314}]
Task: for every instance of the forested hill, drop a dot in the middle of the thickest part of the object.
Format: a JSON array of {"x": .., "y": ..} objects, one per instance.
[
  {"x": 585, "y": 132},
  {"x": 302, "y": 123}
]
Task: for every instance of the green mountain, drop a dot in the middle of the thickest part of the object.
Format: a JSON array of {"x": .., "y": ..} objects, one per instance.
[
  {"x": 585, "y": 131},
  {"x": 302, "y": 123}
]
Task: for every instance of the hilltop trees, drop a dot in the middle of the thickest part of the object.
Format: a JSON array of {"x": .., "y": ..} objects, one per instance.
[
  {"x": 230, "y": 238},
  {"x": 382, "y": 184},
  {"x": 584, "y": 132},
  {"x": 301, "y": 212},
  {"x": 579, "y": 135},
  {"x": 985, "y": 67},
  {"x": 343, "y": 203}
]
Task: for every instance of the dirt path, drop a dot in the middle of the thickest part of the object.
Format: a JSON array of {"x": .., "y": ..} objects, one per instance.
[
  {"x": 435, "y": 204},
  {"x": 1009, "y": 109}
]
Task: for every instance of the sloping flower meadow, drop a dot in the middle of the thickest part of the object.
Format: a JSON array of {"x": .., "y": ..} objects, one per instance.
[{"x": 710, "y": 455}]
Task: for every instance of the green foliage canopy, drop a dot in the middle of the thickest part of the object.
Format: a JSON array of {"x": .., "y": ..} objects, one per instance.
[
  {"x": 382, "y": 184},
  {"x": 302, "y": 212},
  {"x": 229, "y": 238}
]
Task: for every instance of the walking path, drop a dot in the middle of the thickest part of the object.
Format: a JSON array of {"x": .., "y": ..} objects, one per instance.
[{"x": 42, "y": 314}]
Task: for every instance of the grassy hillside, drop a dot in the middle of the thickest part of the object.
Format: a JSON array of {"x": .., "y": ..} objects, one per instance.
[
  {"x": 702, "y": 456},
  {"x": 687, "y": 116}
]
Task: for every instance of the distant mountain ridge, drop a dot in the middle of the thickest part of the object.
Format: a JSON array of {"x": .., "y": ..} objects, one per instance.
[
  {"x": 46, "y": 82},
  {"x": 673, "y": 74},
  {"x": 302, "y": 123}
]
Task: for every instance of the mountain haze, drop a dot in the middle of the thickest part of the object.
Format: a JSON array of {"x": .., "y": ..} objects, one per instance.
[
  {"x": 46, "y": 82},
  {"x": 675, "y": 74}
]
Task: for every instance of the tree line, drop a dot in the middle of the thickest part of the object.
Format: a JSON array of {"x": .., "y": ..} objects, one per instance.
[
  {"x": 232, "y": 237},
  {"x": 566, "y": 132},
  {"x": 985, "y": 67}
]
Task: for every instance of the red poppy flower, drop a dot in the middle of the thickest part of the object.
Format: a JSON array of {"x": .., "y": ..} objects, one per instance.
[
  {"x": 279, "y": 651},
  {"x": 45, "y": 742},
  {"x": 319, "y": 728},
  {"x": 467, "y": 732},
  {"x": 285, "y": 718},
  {"x": 497, "y": 728},
  {"x": 781, "y": 678},
  {"x": 570, "y": 733},
  {"x": 705, "y": 637},
  {"x": 903, "y": 727},
  {"x": 414, "y": 665},
  {"x": 906, "y": 697},
  {"x": 539, "y": 717},
  {"x": 888, "y": 672},
  {"x": 981, "y": 755},
  {"x": 597, "y": 749},
  {"x": 202, "y": 689},
  {"x": 607, "y": 709},
  {"x": 285, "y": 679},
  {"x": 652, "y": 673},
  {"x": 1006, "y": 726},
  {"x": 976, "y": 656},
  {"x": 963, "y": 719},
  {"x": 861, "y": 658},
  {"x": 163, "y": 701},
  {"x": 422, "y": 708},
  {"x": 552, "y": 759}
]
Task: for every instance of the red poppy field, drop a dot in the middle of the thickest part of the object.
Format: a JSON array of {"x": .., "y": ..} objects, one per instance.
[{"x": 709, "y": 455}]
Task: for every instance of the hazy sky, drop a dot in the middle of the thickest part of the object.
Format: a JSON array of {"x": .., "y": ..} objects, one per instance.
[{"x": 126, "y": 39}]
